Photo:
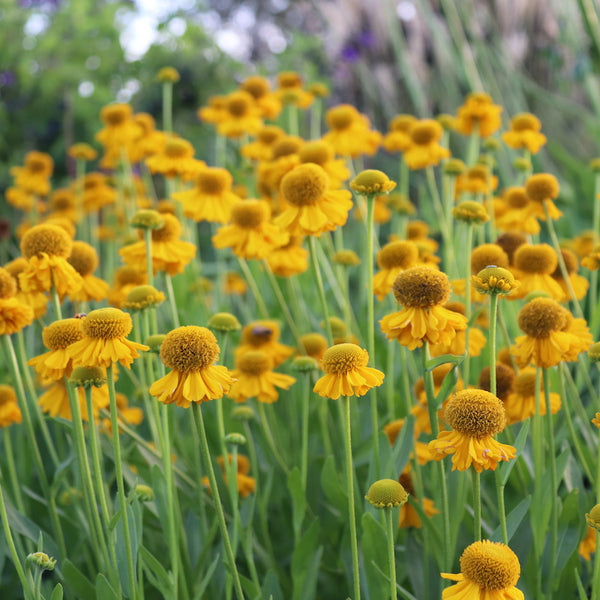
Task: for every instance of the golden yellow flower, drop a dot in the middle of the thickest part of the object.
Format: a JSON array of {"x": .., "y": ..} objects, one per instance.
[
  {"x": 392, "y": 259},
  {"x": 525, "y": 133},
  {"x": 542, "y": 189},
  {"x": 520, "y": 402},
  {"x": 168, "y": 75},
  {"x": 241, "y": 116},
  {"x": 34, "y": 176},
  {"x": 470, "y": 211},
  {"x": 489, "y": 570},
  {"x": 314, "y": 345},
  {"x": 251, "y": 235},
  {"x": 398, "y": 138},
  {"x": 349, "y": 132},
  {"x": 409, "y": 517},
  {"x": 312, "y": 207},
  {"x": 84, "y": 259},
  {"x": 191, "y": 352},
  {"x": 55, "y": 400},
  {"x": 372, "y": 181},
  {"x": 422, "y": 291},
  {"x": 125, "y": 279},
  {"x": 142, "y": 297},
  {"x": 346, "y": 372},
  {"x": 479, "y": 114},
  {"x": 457, "y": 345},
  {"x": 475, "y": 416},
  {"x": 82, "y": 151},
  {"x": 119, "y": 134},
  {"x": 587, "y": 546},
  {"x": 97, "y": 192},
  {"x": 262, "y": 147},
  {"x": 387, "y": 493},
  {"x": 264, "y": 335},
  {"x": 510, "y": 242},
  {"x": 494, "y": 280},
  {"x": 322, "y": 153},
  {"x": 176, "y": 158},
  {"x": 291, "y": 90},
  {"x": 425, "y": 149},
  {"x": 105, "y": 340},
  {"x": 14, "y": 313},
  {"x": 215, "y": 112},
  {"x": 266, "y": 100},
  {"x": 10, "y": 412},
  {"x": 254, "y": 378},
  {"x": 245, "y": 484},
  {"x": 476, "y": 180},
  {"x": 289, "y": 259},
  {"x": 533, "y": 268},
  {"x": 518, "y": 215},
  {"x": 578, "y": 283}
]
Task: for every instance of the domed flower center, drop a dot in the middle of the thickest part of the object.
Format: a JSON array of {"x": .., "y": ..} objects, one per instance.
[
  {"x": 304, "y": 185},
  {"x": 316, "y": 152},
  {"x": 314, "y": 344},
  {"x": 475, "y": 413},
  {"x": 341, "y": 117},
  {"x": 93, "y": 181},
  {"x": 289, "y": 80},
  {"x": 249, "y": 214},
  {"x": 398, "y": 254},
  {"x": 83, "y": 258},
  {"x": 254, "y": 362},
  {"x": 257, "y": 87},
  {"x": 538, "y": 259},
  {"x": 542, "y": 186},
  {"x": 178, "y": 148},
  {"x": 239, "y": 103},
  {"x": 62, "y": 200},
  {"x": 170, "y": 230},
  {"x": 492, "y": 566},
  {"x": 107, "y": 324},
  {"x": 189, "y": 348},
  {"x": 524, "y": 383},
  {"x": 115, "y": 114},
  {"x": 51, "y": 239},
  {"x": 386, "y": 493},
  {"x": 128, "y": 275},
  {"x": 60, "y": 334},
  {"x": 7, "y": 395},
  {"x": 426, "y": 131},
  {"x": 270, "y": 133},
  {"x": 571, "y": 263},
  {"x": 214, "y": 181},
  {"x": 488, "y": 254},
  {"x": 260, "y": 334},
  {"x": 37, "y": 164},
  {"x": 343, "y": 358},
  {"x": 8, "y": 284},
  {"x": 525, "y": 122},
  {"x": 288, "y": 145},
  {"x": 421, "y": 287},
  {"x": 516, "y": 197},
  {"x": 402, "y": 123},
  {"x": 540, "y": 317}
]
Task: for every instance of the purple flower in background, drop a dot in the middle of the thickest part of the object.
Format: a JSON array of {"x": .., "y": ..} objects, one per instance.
[
  {"x": 357, "y": 45},
  {"x": 7, "y": 78}
]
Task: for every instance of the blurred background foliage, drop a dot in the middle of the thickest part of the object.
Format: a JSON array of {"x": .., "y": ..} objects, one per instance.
[{"x": 62, "y": 60}]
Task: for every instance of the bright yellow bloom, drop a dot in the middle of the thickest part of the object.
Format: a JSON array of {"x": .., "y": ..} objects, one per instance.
[
  {"x": 251, "y": 235},
  {"x": 457, "y": 345},
  {"x": 96, "y": 192},
  {"x": 105, "y": 340},
  {"x": 518, "y": 215},
  {"x": 150, "y": 141},
  {"x": 55, "y": 400},
  {"x": 420, "y": 449},
  {"x": 425, "y": 149},
  {"x": 254, "y": 378},
  {"x": 409, "y": 517},
  {"x": 525, "y": 133},
  {"x": 289, "y": 259},
  {"x": 266, "y": 100},
  {"x": 398, "y": 138},
  {"x": 38, "y": 301},
  {"x": 489, "y": 571},
  {"x": 479, "y": 114},
  {"x": 176, "y": 158},
  {"x": 587, "y": 547},
  {"x": 215, "y": 112},
  {"x": 10, "y": 412},
  {"x": 190, "y": 352},
  {"x": 119, "y": 134},
  {"x": 542, "y": 189},
  {"x": 475, "y": 416},
  {"x": 14, "y": 314},
  {"x": 323, "y": 154},
  {"x": 314, "y": 345},
  {"x": 476, "y": 180},
  {"x": 264, "y": 335},
  {"x": 349, "y": 132},
  {"x": 262, "y": 147},
  {"x": 392, "y": 259},
  {"x": 82, "y": 151},
  {"x": 126, "y": 278},
  {"x": 578, "y": 283},
  {"x": 245, "y": 484},
  {"x": 312, "y": 208},
  {"x": 422, "y": 291},
  {"x": 291, "y": 91},
  {"x": 34, "y": 176},
  {"x": 533, "y": 268},
  {"x": 241, "y": 116},
  {"x": 169, "y": 253},
  {"x": 520, "y": 403},
  {"x": 128, "y": 415},
  {"x": 84, "y": 260},
  {"x": 346, "y": 372}
]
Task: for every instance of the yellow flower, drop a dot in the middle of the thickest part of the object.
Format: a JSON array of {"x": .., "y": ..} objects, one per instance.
[
  {"x": 263, "y": 335},
  {"x": 546, "y": 342},
  {"x": 241, "y": 116},
  {"x": 234, "y": 284},
  {"x": 479, "y": 114},
  {"x": 457, "y": 345},
  {"x": 525, "y": 133},
  {"x": 349, "y": 132},
  {"x": 105, "y": 340},
  {"x": 322, "y": 153},
  {"x": 215, "y": 112},
  {"x": 312, "y": 207},
  {"x": 420, "y": 449},
  {"x": 47, "y": 248},
  {"x": 262, "y": 147},
  {"x": 266, "y": 100},
  {"x": 346, "y": 372},
  {"x": 128, "y": 415},
  {"x": 37, "y": 301},
  {"x": 119, "y": 134},
  {"x": 251, "y": 235},
  {"x": 126, "y": 278},
  {"x": 494, "y": 280},
  {"x": 84, "y": 259},
  {"x": 398, "y": 138},
  {"x": 533, "y": 268},
  {"x": 169, "y": 253},
  {"x": 96, "y": 192},
  {"x": 245, "y": 484},
  {"x": 168, "y": 75},
  {"x": 518, "y": 215},
  {"x": 422, "y": 291},
  {"x": 387, "y": 493},
  {"x": 489, "y": 571},
  {"x": 55, "y": 400},
  {"x": 254, "y": 378},
  {"x": 291, "y": 91},
  {"x": 372, "y": 181},
  {"x": 9, "y": 409},
  {"x": 190, "y": 352},
  {"x": 34, "y": 176},
  {"x": 150, "y": 141},
  {"x": 587, "y": 547},
  {"x": 592, "y": 260},
  {"x": 475, "y": 416},
  {"x": 14, "y": 314},
  {"x": 476, "y": 180},
  {"x": 392, "y": 259},
  {"x": 520, "y": 403},
  {"x": 82, "y": 151},
  {"x": 176, "y": 158},
  {"x": 578, "y": 283},
  {"x": 409, "y": 517},
  {"x": 57, "y": 337},
  {"x": 289, "y": 259},
  {"x": 425, "y": 149},
  {"x": 314, "y": 345},
  {"x": 541, "y": 189},
  {"x": 211, "y": 199}
]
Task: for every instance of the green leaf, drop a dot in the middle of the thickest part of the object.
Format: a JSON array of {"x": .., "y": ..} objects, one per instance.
[
  {"x": 81, "y": 586},
  {"x": 133, "y": 512},
  {"x": 448, "y": 384},
  {"x": 568, "y": 529},
  {"x": 298, "y": 499},
  {"x": 582, "y": 593},
  {"x": 506, "y": 467},
  {"x": 330, "y": 480},
  {"x": 157, "y": 574},
  {"x": 250, "y": 588},
  {"x": 104, "y": 590},
  {"x": 207, "y": 578},
  {"x": 57, "y": 592},
  {"x": 374, "y": 549},
  {"x": 444, "y": 359},
  {"x": 305, "y": 563},
  {"x": 513, "y": 520},
  {"x": 271, "y": 588}
]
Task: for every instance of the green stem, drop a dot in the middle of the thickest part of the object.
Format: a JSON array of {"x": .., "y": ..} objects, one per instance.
[
  {"x": 467, "y": 271},
  {"x": 492, "y": 341},
  {"x": 172, "y": 301},
  {"x": 56, "y": 302},
  {"x": 477, "y": 503},
  {"x": 269, "y": 437},
  {"x": 596, "y": 574},
  {"x": 306, "y": 390},
  {"x": 260, "y": 303},
  {"x": 110, "y": 379},
  {"x": 199, "y": 419},
  {"x": 391, "y": 554},
  {"x": 12, "y": 473},
  {"x": 167, "y": 106},
  {"x": 312, "y": 245},
  {"x": 553, "y": 476},
  {"x": 350, "y": 491},
  {"x": 149, "y": 264}
]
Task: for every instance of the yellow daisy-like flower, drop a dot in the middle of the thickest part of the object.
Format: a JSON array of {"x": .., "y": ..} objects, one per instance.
[
  {"x": 542, "y": 189},
  {"x": 215, "y": 111},
  {"x": 420, "y": 449},
  {"x": 322, "y": 153},
  {"x": 251, "y": 235},
  {"x": 289, "y": 259},
  {"x": 254, "y": 378},
  {"x": 119, "y": 134},
  {"x": 128, "y": 415},
  {"x": 126, "y": 279},
  {"x": 10, "y": 412},
  {"x": 55, "y": 400},
  {"x": 476, "y": 180},
  {"x": 14, "y": 314},
  {"x": 47, "y": 248},
  {"x": 520, "y": 403},
  {"x": 62, "y": 203},
  {"x": 84, "y": 260},
  {"x": 409, "y": 517},
  {"x": 245, "y": 484},
  {"x": 82, "y": 151},
  {"x": 475, "y": 416},
  {"x": 211, "y": 199},
  {"x": 478, "y": 113},
  {"x": 291, "y": 90},
  {"x": 97, "y": 192},
  {"x": 425, "y": 149},
  {"x": 546, "y": 341},
  {"x": 587, "y": 547},
  {"x": 264, "y": 335},
  {"x": 34, "y": 176},
  {"x": 457, "y": 345},
  {"x": 398, "y": 138},
  {"x": 191, "y": 352},
  {"x": 38, "y": 301},
  {"x": 494, "y": 280},
  {"x": 592, "y": 260},
  {"x": 533, "y": 268},
  {"x": 241, "y": 116},
  {"x": 176, "y": 158},
  {"x": 525, "y": 133},
  {"x": 349, "y": 132},
  {"x": 422, "y": 291},
  {"x": 578, "y": 283},
  {"x": 57, "y": 337},
  {"x": 346, "y": 372},
  {"x": 267, "y": 101},
  {"x": 518, "y": 215},
  {"x": 489, "y": 571},
  {"x": 169, "y": 253},
  {"x": 372, "y": 181},
  {"x": 312, "y": 207},
  {"x": 105, "y": 340},
  {"x": 262, "y": 147},
  {"x": 392, "y": 259}
]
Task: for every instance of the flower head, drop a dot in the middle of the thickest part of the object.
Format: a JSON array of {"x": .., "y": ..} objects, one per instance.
[
  {"x": 372, "y": 182},
  {"x": 9, "y": 408},
  {"x": 346, "y": 372},
  {"x": 470, "y": 211},
  {"x": 525, "y": 133},
  {"x": 479, "y": 114},
  {"x": 425, "y": 149},
  {"x": 494, "y": 280},
  {"x": 387, "y": 493},
  {"x": 542, "y": 189}
]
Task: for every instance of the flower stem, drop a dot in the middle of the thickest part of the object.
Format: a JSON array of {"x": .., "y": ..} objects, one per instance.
[
  {"x": 467, "y": 266},
  {"x": 149, "y": 265},
  {"x": 306, "y": 390},
  {"x": 312, "y": 245},
  {"x": 198, "y": 418},
  {"x": 110, "y": 379},
  {"x": 477, "y": 503},
  {"x": 350, "y": 490},
  {"x": 492, "y": 341},
  {"x": 167, "y": 106},
  {"x": 391, "y": 554},
  {"x": 269, "y": 437},
  {"x": 172, "y": 301},
  {"x": 260, "y": 303}
]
